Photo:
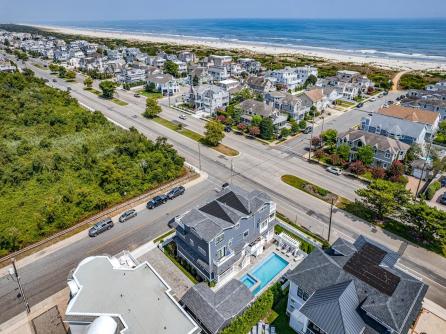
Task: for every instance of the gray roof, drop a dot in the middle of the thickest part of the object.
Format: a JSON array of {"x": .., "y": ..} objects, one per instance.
[
  {"x": 224, "y": 211},
  {"x": 321, "y": 269},
  {"x": 215, "y": 309},
  {"x": 138, "y": 296},
  {"x": 161, "y": 79},
  {"x": 256, "y": 107},
  {"x": 382, "y": 143},
  {"x": 333, "y": 309}
]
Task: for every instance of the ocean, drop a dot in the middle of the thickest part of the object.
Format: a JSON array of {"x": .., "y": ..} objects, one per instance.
[{"x": 423, "y": 39}]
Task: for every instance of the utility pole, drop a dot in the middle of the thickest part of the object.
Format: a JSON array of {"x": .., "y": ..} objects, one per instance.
[
  {"x": 424, "y": 167},
  {"x": 169, "y": 91},
  {"x": 322, "y": 129},
  {"x": 199, "y": 156},
  {"x": 232, "y": 169},
  {"x": 331, "y": 216},
  {"x": 311, "y": 139},
  {"x": 13, "y": 272}
]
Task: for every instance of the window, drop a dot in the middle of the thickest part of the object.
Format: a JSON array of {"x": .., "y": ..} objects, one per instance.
[
  {"x": 302, "y": 294},
  {"x": 230, "y": 243},
  {"x": 191, "y": 242},
  {"x": 201, "y": 250},
  {"x": 219, "y": 238},
  {"x": 387, "y": 155},
  {"x": 262, "y": 225},
  {"x": 221, "y": 253},
  {"x": 245, "y": 234}
]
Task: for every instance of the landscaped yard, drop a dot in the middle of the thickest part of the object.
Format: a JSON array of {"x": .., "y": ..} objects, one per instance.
[
  {"x": 150, "y": 94},
  {"x": 226, "y": 150},
  {"x": 345, "y": 104},
  {"x": 278, "y": 318}
]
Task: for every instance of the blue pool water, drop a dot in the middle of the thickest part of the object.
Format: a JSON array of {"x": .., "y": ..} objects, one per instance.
[{"x": 265, "y": 272}]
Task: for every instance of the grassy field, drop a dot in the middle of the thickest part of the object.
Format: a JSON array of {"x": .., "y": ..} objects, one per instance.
[
  {"x": 60, "y": 164},
  {"x": 226, "y": 150},
  {"x": 150, "y": 94}
]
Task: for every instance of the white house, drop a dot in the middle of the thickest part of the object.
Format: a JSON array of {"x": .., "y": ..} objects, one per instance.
[
  {"x": 286, "y": 77},
  {"x": 164, "y": 83},
  {"x": 209, "y": 98}
]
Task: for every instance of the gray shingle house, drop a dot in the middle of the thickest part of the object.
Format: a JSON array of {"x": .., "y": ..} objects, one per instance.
[
  {"x": 353, "y": 288},
  {"x": 386, "y": 150},
  {"x": 215, "y": 310},
  {"x": 219, "y": 237}
]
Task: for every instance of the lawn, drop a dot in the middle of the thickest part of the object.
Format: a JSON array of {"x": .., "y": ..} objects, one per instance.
[
  {"x": 92, "y": 90},
  {"x": 98, "y": 93},
  {"x": 345, "y": 104},
  {"x": 119, "y": 102},
  {"x": 226, "y": 150},
  {"x": 150, "y": 94},
  {"x": 163, "y": 236},
  {"x": 310, "y": 188},
  {"x": 278, "y": 318}
]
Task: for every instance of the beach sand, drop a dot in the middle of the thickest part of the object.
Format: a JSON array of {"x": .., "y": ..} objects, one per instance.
[{"x": 331, "y": 56}]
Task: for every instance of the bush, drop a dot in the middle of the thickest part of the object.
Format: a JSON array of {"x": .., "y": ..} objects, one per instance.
[
  {"x": 432, "y": 189},
  {"x": 378, "y": 172},
  {"x": 357, "y": 167}
]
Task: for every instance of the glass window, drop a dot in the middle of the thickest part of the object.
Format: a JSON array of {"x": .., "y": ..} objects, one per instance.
[
  {"x": 219, "y": 238},
  {"x": 201, "y": 250},
  {"x": 221, "y": 253}
]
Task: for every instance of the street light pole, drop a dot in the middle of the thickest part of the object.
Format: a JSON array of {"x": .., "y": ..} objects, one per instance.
[
  {"x": 423, "y": 169},
  {"x": 13, "y": 272},
  {"x": 331, "y": 216},
  {"x": 311, "y": 139},
  {"x": 199, "y": 156}
]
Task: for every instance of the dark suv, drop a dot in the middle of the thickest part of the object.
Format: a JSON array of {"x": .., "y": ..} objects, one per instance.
[
  {"x": 443, "y": 199},
  {"x": 156, "y": 201},
  {"x": 100, "y": 227},
  {"x": 127, "y": 215},
  {"x": 175, "y": 192}
]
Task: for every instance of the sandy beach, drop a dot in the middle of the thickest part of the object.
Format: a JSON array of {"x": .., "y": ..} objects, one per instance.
[{"x": 333, "y": 56}]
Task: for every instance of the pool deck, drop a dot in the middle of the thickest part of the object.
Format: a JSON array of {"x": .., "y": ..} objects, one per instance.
[{"x": 271, "y": 249}]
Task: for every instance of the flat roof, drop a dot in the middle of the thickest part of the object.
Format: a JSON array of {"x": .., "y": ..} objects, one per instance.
[{"x": 138, "y": 296}]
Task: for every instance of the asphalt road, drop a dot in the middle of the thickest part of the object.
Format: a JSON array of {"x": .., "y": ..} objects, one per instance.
[{"x": 258, "y": 166}]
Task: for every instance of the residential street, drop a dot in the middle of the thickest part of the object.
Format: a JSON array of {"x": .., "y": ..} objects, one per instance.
[{"x": 258, "y": 166}]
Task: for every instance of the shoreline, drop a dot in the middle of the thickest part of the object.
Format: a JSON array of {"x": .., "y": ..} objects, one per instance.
[{"x": 326, "y": 55}]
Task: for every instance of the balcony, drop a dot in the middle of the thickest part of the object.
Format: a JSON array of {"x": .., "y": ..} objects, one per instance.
[{"x": 229, "y": 254}]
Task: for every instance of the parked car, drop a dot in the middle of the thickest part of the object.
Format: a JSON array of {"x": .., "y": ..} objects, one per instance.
[
  {"x": 385, "y": 93},
  {"x": 183, "y": 116},
  {"x": 228, "y": 128},
  {"x": 128, "y": 215},
  {"x": 308, "y": 129},
  {"x": 373, "y": 99},
  {"x": 334, "y": 170},
  {"x": 360, "y": 105},
  {"x": 224, "y": 186},
  {"x": 443, "y": 181},
  {"x": 156, "y": 201},
  {"x": 175, "y": 192},
  {"x": 54, "y": 80},
  {"x": 443, "y": 199},
  {"x": 100, "y": 227},
  {"x": 68, "y": 89},
  {"x": 136, "y": 95}
]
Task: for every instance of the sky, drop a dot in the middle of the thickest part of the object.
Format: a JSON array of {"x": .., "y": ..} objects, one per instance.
[{"x": 21, "y": 11}]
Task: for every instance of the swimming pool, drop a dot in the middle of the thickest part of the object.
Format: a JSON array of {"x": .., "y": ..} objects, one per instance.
[{"x": 264, "y": 272}]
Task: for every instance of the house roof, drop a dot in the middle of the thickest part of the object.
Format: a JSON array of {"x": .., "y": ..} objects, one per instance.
[
  {"x": 137, "y": 295},
  {"x": 382, "y": 143},
  {"x": 333, "y": 309},
  {"x": 215, "y": 309},
  {"x": 320, "y": 270},
  {"x": 410, "y": 114},
  {"x": 256, "y": 107},
  {"x": 315, "y": 95},
  {"x": 160, "y": 78},
  {"x": 223, "y": 212}
]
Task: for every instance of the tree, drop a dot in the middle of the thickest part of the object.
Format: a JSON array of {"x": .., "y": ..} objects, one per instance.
[
  {"x": 429, "y": 222},
  {"x": 395, "y": 171},
  {"x": 412, "y": 154},
  {"x": 150, "y": 87},
  {"x": 108, "y": 89},
  {"x": 70, "y": 75},
  {"x": 256, "y": 120},
  {"x": 294, "y": 127},
  {"x": 195, "y": 81},
  {"x": 329, "y": 138},
  {"x": 343, "y": 151},
  {"x": 62, "y": 71},
  {"x": 316, "y": 141},
  {"x": 303, "y": 124},
  {"x": 383, "y": 197},
  {"x": 88, "y": 82},
  {"x": 311, "y": 81},
  {"x": 28, "y": 72},
  {"x": 365, "y": 154},
  {"x": 152, "y": 108},
  {"x": 171, "y": 68},
  {"x": 214, "y": 133},
  {"x": 53, "y": 67},
  {"x": 357, "y": 167},
  {"x": 254, "y": 131},
  {"x": 266, "y": 128},
  {"x": 378, "y": 173},
  {"x": 285, "y": 132},
  {"x": 241, "y": 127}
]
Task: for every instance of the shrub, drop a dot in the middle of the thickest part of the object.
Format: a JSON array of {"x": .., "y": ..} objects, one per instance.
[
  {"x": 335, "y": 160},
  {"x": 357, "y": 167},
  {"x": 432, "y": 189},
  {"x": 378, "y": 172}
]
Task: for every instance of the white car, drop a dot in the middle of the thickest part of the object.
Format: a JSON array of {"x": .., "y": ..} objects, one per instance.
[
  {"x": 334, "y": 170},
  {"x": 183, "y": 117}
]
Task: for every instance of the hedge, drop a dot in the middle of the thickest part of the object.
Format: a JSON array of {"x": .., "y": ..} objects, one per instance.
[{"x": 432, "y": 189}]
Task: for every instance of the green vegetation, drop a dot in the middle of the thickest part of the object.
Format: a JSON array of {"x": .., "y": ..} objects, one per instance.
[
  {"x": 303, "y": 229},
  {"x": 194, "y": 136},
  {"x": 366, "y": 155},
  {"x": 171, "y": 252},
  {"x": 163, "y": 236},
  {"x": 440, "y": 137},
  {"x": 60, "y": 164},
  {"x": 419, "y": 80},
  {"x": 92, "y": 90},
  {"x": 266, "y": 128},
  {"x": 310, "y": 188},
  {"x": 432, "y": 189},
  {"x": 108, "y": 89},
  {"x": 259, "y": 309},
  {"x": 345, "y": 104},
  {"x": 157, "y": 95},
  {"x": 88, "y": 82},
  {"x": 214, "y": 133},
  {"x": 152, "y": 108},
  {"x": 171, "y": 68}
]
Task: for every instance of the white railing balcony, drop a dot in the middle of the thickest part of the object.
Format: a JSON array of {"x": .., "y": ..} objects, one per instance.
[{"x": 219, "y": 262}]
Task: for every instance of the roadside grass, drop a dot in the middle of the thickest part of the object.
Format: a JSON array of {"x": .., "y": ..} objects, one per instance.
[
  {"x": 92, "y": 90},
  {"x": 98, "y": 93},
  {"x": 40, "y": 66},
  {"x": 226, "y": 150},
  {"x": 150, "y": 94},
  {"x": 345, "y": 104},
  {"x": 360, "y": 211},
  {"x": 163, "y": 236},
  {"x": 119, "y": 102}
]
